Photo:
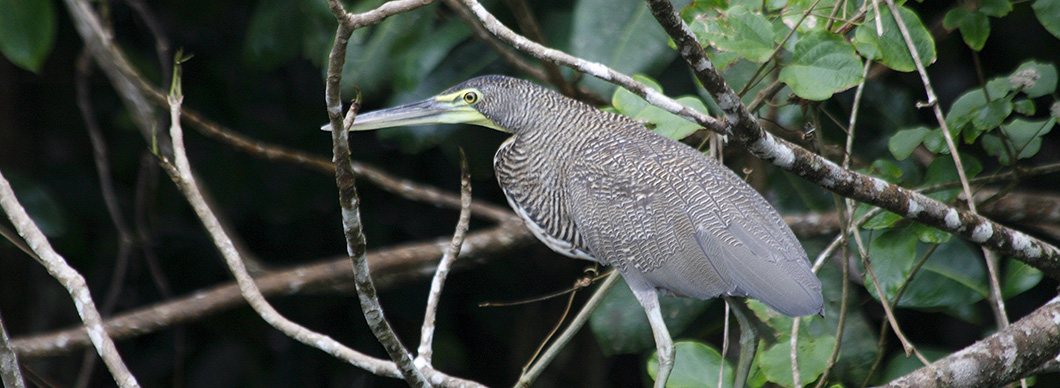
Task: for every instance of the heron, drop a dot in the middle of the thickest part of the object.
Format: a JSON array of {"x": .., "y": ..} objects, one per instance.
[{"x": 600, "y": 186}]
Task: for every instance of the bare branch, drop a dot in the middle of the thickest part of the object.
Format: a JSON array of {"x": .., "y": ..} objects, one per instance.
[
  {"x": 118, "y": 69},
  {"x": 71, "y": 280},
  {"x": 350, "y": 202},
  {"x": 998, "y": 359},
  {"x": 10, "y": 371},
  {"x": 425, "y": 350}
]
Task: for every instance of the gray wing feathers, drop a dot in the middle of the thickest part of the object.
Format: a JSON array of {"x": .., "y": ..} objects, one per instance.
[{"x": 692, "y": 228}]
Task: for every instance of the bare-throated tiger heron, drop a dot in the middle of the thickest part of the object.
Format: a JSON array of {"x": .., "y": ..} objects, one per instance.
[{"x": 599, "y": 186}]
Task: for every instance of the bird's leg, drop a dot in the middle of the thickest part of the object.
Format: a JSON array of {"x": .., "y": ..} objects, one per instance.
[{"x": 649, "y": 299}]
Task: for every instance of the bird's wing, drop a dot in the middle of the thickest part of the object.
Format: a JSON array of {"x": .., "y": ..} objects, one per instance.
[{"x": 669, "y": 217}]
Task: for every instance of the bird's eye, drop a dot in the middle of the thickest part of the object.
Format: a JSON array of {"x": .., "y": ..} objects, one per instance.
[{"x": 470, "y": 97}]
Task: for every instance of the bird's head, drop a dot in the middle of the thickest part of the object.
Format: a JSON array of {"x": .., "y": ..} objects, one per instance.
[{"x": 497, "y": 102}]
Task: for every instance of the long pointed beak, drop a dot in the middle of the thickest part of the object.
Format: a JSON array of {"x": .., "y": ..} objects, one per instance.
[{"x": 429, "y": 111}]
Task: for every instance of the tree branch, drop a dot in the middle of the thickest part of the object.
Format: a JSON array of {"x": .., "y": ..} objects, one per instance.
[
  {"x": 349, "y": 201},
  {"x": 71, "y": 280},
  {"x": 425, "y": 350},
  {"x": 10, "y": 371},
  {"x": 998, "y": 359}
]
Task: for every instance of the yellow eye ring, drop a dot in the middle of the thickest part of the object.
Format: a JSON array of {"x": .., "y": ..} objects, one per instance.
[{"x": 470, "y": 97}]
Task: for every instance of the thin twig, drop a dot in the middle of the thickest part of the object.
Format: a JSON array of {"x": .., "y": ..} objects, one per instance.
[
  {"x": 724, "y": 346},
  {"x": 579, "y": 320},
  {"x": 425, "y": 350},
  {"x": 350, "y": 202},
  {"x": 71, "y": 280},
  {"x": 10, "y": 371},
  {"x": 888, "y": 311},
  {"x": 793, "y": 352}
]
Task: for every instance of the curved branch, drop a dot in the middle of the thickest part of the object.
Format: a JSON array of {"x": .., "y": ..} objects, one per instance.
[{"x": 72, "y": 281}]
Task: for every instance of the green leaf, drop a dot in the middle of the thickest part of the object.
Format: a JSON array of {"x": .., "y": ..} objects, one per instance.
[
  {"x": 954, "y": 275},
  {"x": 738, "y": 30},
  {"x": 1046, "y": 11},
  {"x": 955, "y": 18},
  {"x": 658, "y": 119},
  {"x": 935, "y": 143},
  {"x": 426, "y": 54},
  {"x": 893, "y": 254},
  {"x": 995, "y": 8},
  {"x": 1036, "y": 78},
  {"x": 992, "y": 115},
  {"x": 905, "y": 141},
  {"x": 886, "y": 170},
  {"x": 695, "y": 365},
  {"x": 702, "y": 8},
  {"x": 1018, "y": 277},
  {"x": 813, "y": 353},
  {"x": 963, "y": 109},
  {"x": 930, "y": 235},
  {"x": 626, "y": 38},
  {"x": 752, "y": 35},
  {"x": 1023, "y": 136},
  {"x": 823, "y": 64},
  {"x": 942, "y": 170},
  {"x": 883, "y": 220},
  {"x": 27, "y": 32},
  {"x": 1024, "y": 107},
  {"x": 669, "y": 124},
  {"x": 621, "y": 327},
  {"x": 975, "y": 29},
  {"x": 631, "y": 104},
  {"x": 890, "y": 49}
]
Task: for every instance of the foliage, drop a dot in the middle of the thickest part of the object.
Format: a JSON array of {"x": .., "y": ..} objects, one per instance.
[{"x": 27, "y": 32}]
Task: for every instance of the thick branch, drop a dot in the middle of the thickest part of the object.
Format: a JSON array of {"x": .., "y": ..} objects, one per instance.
[
  {"x": 998, "y": 359},
  {"x": 813, "y": 167}
]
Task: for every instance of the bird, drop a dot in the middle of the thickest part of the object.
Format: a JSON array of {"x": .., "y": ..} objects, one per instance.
[{"x": 600, "y": 186}]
